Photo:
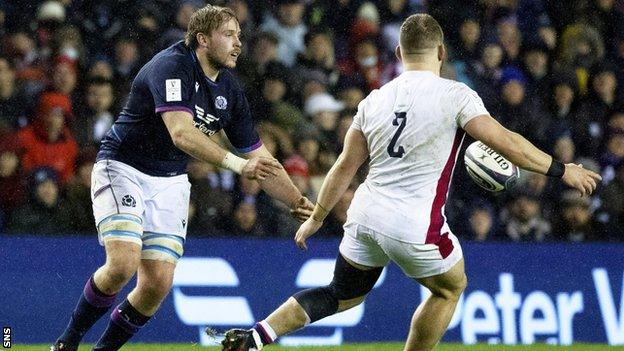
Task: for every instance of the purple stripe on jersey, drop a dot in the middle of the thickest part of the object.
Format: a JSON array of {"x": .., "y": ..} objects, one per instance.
[
  {"x": 250, "y": 148},
  {"x": 122, "y": 322},
  {"x": 95, "y": 298},
  {"x": 173, "y": 108},
  {"x": 436, "y": 219}
]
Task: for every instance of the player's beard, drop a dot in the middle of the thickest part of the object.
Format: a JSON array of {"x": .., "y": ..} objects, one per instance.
[{"x": 219, "y": 63}]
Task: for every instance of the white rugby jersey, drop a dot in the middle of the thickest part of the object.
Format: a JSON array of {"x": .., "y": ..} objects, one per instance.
[{"x": 413, "y": 129}]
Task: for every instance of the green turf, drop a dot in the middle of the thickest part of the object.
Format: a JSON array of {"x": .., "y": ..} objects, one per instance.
[{"x": 346, "y": 347}]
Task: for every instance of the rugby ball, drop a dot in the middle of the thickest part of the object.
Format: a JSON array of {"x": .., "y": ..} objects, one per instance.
[{"x": 489, "y": 169}]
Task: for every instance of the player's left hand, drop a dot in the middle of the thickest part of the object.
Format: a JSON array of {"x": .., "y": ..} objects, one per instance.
[
  {"x": 306, "y": 230},
  {"x": 302, "y": 209}
]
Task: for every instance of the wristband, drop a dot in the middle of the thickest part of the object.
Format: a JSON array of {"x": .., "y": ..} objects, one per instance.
[
  {"x": 556, "y": 169},
  {"x": 234, "y": 163}
]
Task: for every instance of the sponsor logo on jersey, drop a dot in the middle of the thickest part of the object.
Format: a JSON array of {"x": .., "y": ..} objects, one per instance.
[
  {"x": 196, "y": 86},
  {"x": 221, "y": 102}
]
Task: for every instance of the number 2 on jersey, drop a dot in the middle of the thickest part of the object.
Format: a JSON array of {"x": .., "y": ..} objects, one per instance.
[{"x": 399, "y": 120}]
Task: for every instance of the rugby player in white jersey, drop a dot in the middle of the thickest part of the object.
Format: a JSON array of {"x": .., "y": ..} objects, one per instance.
[{"x": 412, "y": 129}]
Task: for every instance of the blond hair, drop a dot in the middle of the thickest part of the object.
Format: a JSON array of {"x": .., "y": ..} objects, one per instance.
[
  {"x": 420, "y": 32},
  {"x": 206, "y": 20}
]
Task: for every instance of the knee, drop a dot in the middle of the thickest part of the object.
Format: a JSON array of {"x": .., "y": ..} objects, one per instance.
[
  {"x": 452, "y": 290},
  {"x": 155, "y": 289},
  {"x": 118, "y": 273}
]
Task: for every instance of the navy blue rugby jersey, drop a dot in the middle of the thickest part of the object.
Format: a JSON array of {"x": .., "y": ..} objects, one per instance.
[{"x": 174, "y": 81}]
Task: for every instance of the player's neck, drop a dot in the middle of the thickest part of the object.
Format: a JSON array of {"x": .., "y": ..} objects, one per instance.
[
  {"x": 209, "y": 70},
  {"x": 422, "y": 66}
]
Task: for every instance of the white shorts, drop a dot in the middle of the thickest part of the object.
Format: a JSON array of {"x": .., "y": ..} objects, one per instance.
[
  {"x": 160, "y": 202},
  {"x": 370, "y": 248}
]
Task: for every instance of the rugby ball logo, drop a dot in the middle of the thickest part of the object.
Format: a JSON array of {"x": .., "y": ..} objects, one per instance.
[{"x": 489, "y": 169}]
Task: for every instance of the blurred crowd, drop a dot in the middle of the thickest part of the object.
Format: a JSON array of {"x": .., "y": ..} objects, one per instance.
[{"x": 550, "y": 70}]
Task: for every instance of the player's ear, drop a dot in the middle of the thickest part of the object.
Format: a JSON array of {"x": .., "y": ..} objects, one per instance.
[
  {"x": 202, "y": 39},
  {"x": 397, "y": 52},
  {"x": 441, "y": 52}
]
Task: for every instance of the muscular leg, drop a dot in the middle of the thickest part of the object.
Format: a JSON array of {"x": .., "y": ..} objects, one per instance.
[
  {"x": 434, "y": 314},
  {"x": 153, "y": 284},
  {"x": 349, "y": 287},
  {"x": 122, "y": 260},
  {"x": 290, "y": 316}
]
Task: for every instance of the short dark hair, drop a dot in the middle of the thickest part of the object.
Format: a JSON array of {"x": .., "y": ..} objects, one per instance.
[
  {"x": 420, "y": 32},
  {"x": 206, "y": 20}
]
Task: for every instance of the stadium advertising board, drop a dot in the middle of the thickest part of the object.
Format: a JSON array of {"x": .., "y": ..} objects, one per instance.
[{"x": 517, "y": 293}]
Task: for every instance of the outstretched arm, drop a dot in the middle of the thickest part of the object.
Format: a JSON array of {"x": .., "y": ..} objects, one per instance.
[
  {"x": 192, "y": 141},
  {"x": 282, "y": 188},
  {"x": 341, "y": 174},
  {"x": 523, "y": 154}
]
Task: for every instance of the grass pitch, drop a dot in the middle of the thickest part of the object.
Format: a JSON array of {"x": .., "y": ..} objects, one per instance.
[{"x": 346, "y": 347}]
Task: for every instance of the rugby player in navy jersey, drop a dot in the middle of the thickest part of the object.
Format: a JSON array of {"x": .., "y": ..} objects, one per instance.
[{"x": 140, "y": 189}]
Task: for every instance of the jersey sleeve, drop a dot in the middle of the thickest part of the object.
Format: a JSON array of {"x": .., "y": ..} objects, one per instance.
[
  {"x": 241, "y": 130},
  {"x": 358, "y": 119},
  {"x": 170, "y": 85},
  {"x": 468, "y": 104}
]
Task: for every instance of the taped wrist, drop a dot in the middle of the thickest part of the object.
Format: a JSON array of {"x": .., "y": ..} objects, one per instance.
[
  {"x": 234, "y": 163},
  {"x": 556, "y": 169}
]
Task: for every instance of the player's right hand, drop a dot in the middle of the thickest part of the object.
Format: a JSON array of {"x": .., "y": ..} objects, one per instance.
[
  {"x": 581, "y": 179},
  {"x": 260, "y": 168}
]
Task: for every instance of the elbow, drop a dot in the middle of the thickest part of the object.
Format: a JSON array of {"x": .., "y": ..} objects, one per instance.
[{"x": 178, "y": 136}]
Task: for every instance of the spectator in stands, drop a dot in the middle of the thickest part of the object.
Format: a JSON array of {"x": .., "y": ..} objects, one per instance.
[
  {"x": 516, "y": 113},
  {"x": 67, "y": 42},
  {"x": 535, "y": 60},
  {"x": 101, "y": 68},
  {"x": 614, "y": 153},
  {"x": 590, "y": 124},
  {"x": 486, "y": 74},
  {"x": 13, "y": 104},
  {"x": 263, "y": 54},
  {"x": 65, "y": 76},
  {"x": 481, "y": 224},
  {"x": 523, "y": 220},
  {"x": 43, "y": 213},
  {"x": 246, "y": 221},
  {"x": 606, "y": 18},
  {"x": 127, "y": 63},
  {"x": 576, "y": 223},
  {"x": 48, "y": 141},
  {"x": 612, "y": 196},
  {"x": 211, "y": 197},
  {"x": 511, "y": 41},
  {"x": 562, "y": 102},
  {"x": 97, "y": 116},
  {"x": 12, "y": 187},
  {"x": 467, "y": 48},
  {"x": 365, "y": 63},
  {"x": 77, "y": 213},
  {"x": 351, "y": 94},
  {"x": 323, "y": 109},
  {"x": 23, "y": 51},
  {"x": 318, "y": 56},
  {"x": 181, "y": 19},
  {"x": 581, "y": 48},
  {"x": 287, "y": 24}
]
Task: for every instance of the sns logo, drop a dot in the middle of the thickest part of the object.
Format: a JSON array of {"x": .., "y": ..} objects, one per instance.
[{"x": 202, "y": 311}]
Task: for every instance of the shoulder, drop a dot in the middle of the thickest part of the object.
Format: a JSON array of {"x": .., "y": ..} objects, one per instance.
[{"x": 175, "y": 58}]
